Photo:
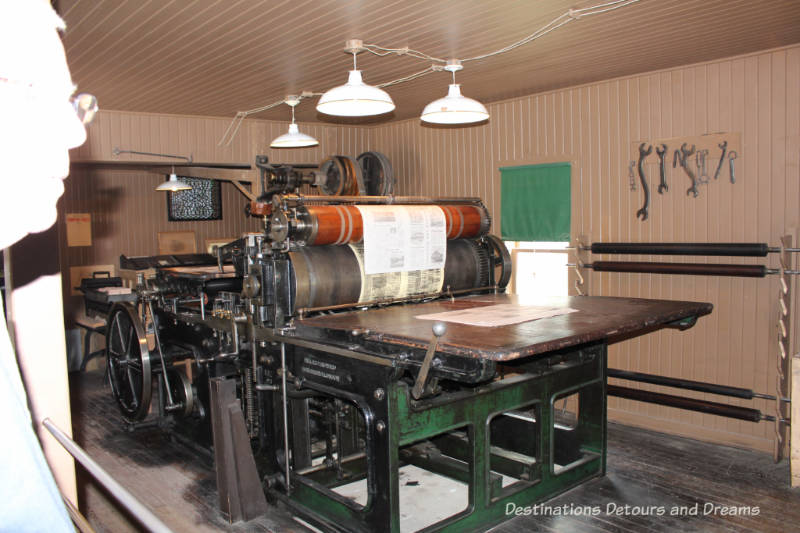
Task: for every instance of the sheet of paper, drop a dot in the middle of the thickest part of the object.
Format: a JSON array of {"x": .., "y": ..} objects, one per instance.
[
  {"x": 114, "y": 290},
  {"x": 490, "y": 316},
  {"x": 401, "y": 238},
  {"x": 79, "y": 229}
]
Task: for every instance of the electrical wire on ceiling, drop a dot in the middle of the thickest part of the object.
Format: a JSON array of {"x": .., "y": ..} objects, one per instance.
[
  {"x": 558, "y": 22},
  {"x": 236, "y": 123}
]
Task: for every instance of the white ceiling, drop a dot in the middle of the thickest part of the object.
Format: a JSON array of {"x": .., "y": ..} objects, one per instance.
[{"x": 215, "y": 58}]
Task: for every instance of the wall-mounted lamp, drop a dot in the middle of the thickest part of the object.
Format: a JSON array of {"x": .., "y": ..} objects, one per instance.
[
  {"x": 454, "y": 108},
  {"x": 355, "y": 98},
  {"x": 173, "y": 184},
  {"x": 293, "y": 139}
]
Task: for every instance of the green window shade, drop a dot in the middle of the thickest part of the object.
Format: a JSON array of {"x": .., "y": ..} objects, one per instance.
[{"x": 535, "y": 202}]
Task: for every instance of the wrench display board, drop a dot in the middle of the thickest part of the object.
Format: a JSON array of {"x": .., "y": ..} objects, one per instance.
[
  {"x": 708, "y": 142},
  {"x": 719, "y": 149},
  {"x": 702, "y": 158}
]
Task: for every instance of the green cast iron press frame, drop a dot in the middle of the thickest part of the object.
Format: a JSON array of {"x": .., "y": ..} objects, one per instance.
[
  {"x": 457, "y": 424},
  {"x": 502, "y": 438}
]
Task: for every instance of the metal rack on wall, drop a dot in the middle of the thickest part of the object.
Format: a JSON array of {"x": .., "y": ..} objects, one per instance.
[{"x": 783, "y": 393}]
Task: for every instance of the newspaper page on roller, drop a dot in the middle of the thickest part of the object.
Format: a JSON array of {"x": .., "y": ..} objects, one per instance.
[
  {"x": 403, "y": 251},
  {"x": 389, "y": 285}
]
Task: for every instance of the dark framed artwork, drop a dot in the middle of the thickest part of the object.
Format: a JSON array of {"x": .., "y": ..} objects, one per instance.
[{"x": 202, "y": 202}]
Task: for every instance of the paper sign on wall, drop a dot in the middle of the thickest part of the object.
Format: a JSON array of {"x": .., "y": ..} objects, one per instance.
[{"x": 79, "y": 229}]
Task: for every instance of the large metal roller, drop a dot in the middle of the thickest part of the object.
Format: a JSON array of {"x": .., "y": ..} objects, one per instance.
[
  {"x": 326, "y": 276},
  {"x": 745, "y": 249},
  {"x": 696, "y": 269},
  {"x": 321, "y": 225}
]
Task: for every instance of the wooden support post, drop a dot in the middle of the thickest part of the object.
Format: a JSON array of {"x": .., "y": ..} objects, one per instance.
[
  {"x": 782, "y": 389},
  {"x": 795, "y": 433}
]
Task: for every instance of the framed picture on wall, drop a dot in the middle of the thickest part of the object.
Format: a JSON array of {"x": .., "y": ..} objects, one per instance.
[{"x": 202, "y": 202}]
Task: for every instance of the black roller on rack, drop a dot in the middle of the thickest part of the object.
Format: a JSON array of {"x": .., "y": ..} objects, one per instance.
[
  {"x": 700, "y": 386},
  {"x": 696, "y": 269},
  {"x": 744, "y": 249},
  {"x": 689, "y": 404}
]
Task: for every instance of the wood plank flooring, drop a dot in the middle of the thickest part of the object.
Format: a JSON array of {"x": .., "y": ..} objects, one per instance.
[{"x": 647, "y": 471}]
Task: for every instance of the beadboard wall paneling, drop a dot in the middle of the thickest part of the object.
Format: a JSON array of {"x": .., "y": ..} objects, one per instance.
[{"x": 595, "y": 125}]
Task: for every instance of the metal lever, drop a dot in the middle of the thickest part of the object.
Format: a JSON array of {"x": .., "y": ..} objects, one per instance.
[{"x": 439, "y": 329}]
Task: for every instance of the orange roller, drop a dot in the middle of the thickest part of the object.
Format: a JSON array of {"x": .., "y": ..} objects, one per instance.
[
  {"x": 465, "y": 221},
  {"x": 342, "y": 224},
  {"x": 335, "y": 224}
]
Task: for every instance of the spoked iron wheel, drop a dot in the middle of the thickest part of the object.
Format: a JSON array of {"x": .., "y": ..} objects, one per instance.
[{"x": 128, "y": 360}]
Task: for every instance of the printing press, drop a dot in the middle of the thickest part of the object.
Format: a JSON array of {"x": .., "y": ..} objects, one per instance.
[{"x": 334, "y": 348}]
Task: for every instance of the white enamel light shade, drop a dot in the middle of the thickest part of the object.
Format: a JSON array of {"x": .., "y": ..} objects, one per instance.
[
  {"x": 293, "y": 139},
  {"x": 173, "y": 184},
  {"x": 355, "y": 99},
  {"x": 454, "y": 109}
]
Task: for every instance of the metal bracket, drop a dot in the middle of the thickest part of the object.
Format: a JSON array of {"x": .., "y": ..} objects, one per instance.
[{"x": 684, "y": 323}]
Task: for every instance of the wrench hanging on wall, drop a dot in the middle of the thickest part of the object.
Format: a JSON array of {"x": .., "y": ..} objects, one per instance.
[
  {"x": 724, "y": 148},
  {"x": 661, "y": 150},
  {"x": 731, "y": 156},
  {"x": 700, "y": 161},
  {"x": 631, "y": 175},
  {"x": 683, "y": 157},
  {"x": 642, "y": 213}
]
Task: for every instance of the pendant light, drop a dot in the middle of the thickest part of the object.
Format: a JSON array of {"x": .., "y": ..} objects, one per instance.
[
  {"x": 173, "y": 184},
  {"x": 355, "y": 98},
  {"x": 454, "y": 108},
  {"x": 293, "y": 139}
]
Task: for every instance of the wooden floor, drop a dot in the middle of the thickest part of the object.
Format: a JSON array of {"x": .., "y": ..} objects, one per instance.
[{"x": 647, "y": 471}]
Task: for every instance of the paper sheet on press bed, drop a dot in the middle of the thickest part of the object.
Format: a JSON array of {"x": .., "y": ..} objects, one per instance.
[{"x": 490, "y": 316}]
